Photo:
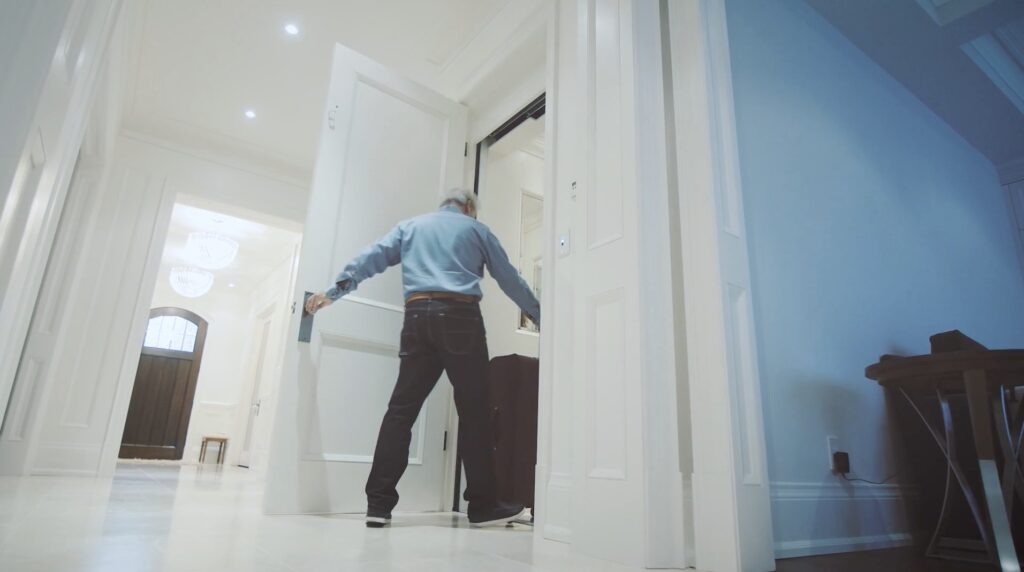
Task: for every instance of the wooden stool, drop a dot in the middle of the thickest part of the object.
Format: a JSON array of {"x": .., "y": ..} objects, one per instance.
[{"x": 221, "y": 449}]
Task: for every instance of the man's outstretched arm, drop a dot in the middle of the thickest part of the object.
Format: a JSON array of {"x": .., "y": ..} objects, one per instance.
[
  {"x": 375, "y": 259},
  {"x": 509, "y": 279}
]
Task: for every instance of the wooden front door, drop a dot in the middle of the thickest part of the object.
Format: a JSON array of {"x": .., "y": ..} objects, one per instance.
[{"x": 165, "y": 385}]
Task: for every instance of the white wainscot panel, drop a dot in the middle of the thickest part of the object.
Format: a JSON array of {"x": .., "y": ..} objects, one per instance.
[
  {"x": 604, "y": 206},
  {"x": 606, "y": 386}
]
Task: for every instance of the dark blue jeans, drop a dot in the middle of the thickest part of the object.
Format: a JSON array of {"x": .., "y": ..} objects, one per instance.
[{"x": 438, "y": 335}]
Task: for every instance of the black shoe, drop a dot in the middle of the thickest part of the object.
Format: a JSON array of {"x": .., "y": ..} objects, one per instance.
[
  {"x": 377, "y": 520},
  {"x": 502, "y": 514}
]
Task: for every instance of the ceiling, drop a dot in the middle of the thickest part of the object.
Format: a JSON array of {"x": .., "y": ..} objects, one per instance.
[
  {"x": 197, "y": 65},
  {"x": 927, "y": 46},
  {"x": 261, "y": 248}
]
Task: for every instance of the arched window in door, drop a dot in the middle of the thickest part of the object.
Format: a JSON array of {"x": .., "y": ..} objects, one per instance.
[
  {"x": 165, "y": 385},
  {"x": 171, "y": 333}
]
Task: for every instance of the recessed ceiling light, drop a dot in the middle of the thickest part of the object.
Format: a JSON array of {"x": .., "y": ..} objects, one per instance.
[
  {"x": 232, "y": 285},
  {"x": 291, "y": 29},
  {"x": 250, "y": 114}
]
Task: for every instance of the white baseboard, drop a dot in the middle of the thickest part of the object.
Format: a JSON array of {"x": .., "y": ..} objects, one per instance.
[
  {"x": 817, "y": 546},
  {"x": 73, "y": 459},
  {"x": 557, "y": 519},
  {"x": 825, "y": 518},
  {"x": 558, "y": 534}
]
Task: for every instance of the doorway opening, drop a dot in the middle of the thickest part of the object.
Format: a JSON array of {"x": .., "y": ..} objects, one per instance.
[
  {"x": 214, "y": 345},
  {"x": 509, "y": 177}
]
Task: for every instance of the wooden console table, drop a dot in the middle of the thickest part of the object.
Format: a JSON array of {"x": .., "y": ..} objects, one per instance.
[{"x": 988, "y": 378}]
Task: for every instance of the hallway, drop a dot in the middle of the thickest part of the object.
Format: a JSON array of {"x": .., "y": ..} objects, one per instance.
[{"x": 152, "y": 517}]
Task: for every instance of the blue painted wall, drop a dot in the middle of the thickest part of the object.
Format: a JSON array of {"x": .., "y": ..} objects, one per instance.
[{"x": 871, "y": 225}]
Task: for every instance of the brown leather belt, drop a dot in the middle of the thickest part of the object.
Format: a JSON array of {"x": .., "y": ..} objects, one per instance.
[{"x": 442, "y": 296}]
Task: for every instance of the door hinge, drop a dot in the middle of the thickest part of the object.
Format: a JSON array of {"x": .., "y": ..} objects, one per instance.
[
  {"x": 465, "y": 149},
  {"x": 445, "y": 446},
  {"x": 294, "y": 303}
]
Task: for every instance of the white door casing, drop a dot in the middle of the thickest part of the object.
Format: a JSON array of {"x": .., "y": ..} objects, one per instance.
[
  {"x": 668, "y": 515},
  {"x": 262, "y": 331},
  {"x": 730, "y": 479},
  {"x": 388, "y": 149},
  {"x": 273, "y": 365}
]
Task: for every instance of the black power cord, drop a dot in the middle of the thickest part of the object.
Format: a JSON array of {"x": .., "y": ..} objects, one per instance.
[
  {"x": 891, "y": 477},
  {"x": 841, "y": 466}
]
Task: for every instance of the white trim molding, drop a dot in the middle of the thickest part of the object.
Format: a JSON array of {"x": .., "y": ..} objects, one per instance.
[
  {"x": 826, "y": 518},
  {"x": 819, "y": 546},
  {"x": 667, "y": 543}
]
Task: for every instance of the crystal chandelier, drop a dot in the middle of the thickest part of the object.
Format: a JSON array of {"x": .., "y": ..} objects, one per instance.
[
  {"x": 211, "y": 251},
  {"x": 191, "y": 282}
]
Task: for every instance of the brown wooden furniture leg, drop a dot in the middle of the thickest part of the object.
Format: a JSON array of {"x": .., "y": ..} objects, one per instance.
[
  {"x": 945, "y": 438},
  {"x": 981, "y": 423},
  {"x": 202, "y": 451}
]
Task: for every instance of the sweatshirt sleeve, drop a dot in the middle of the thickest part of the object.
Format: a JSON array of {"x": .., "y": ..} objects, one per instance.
[{"x": 375, "y": 259}]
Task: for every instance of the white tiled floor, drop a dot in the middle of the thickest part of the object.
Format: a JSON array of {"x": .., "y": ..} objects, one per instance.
[{"x": 163, "y": 517}]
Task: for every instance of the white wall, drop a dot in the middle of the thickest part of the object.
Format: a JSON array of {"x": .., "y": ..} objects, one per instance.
[
  {"x": 67, "y": 406},
  {"x": 501, "y": 190},
  {"x": 871, "y": 226},
  {"x": 246, "y": 191},
  {"x": 73, "y": 411},
  {"x": 29, "y": 32}
]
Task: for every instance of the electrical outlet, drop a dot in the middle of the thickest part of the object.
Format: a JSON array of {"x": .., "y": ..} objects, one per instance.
[
  {"x": 833, "y": 446},
  {"x": 841, "y": 463}
]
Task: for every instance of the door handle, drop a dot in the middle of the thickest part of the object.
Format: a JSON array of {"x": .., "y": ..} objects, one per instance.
[{"x": 306, "y": 323}]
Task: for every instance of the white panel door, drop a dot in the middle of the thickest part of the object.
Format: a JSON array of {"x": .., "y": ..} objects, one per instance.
[
  {"x": 388, "y": 149},
  {"x": 608, "y": 472}
]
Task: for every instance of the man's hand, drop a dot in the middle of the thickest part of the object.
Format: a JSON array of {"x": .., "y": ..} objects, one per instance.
[{"x": 317, "y": 301}]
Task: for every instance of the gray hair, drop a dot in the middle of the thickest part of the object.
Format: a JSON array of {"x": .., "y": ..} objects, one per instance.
[{"x": 460, "y": 196}]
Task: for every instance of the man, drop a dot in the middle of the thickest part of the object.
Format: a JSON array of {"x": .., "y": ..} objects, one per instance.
[{"x": 443, "y": 255}]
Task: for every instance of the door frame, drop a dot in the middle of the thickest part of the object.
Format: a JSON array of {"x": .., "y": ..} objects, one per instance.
[
  {"x": 193, "y": 376},
  {"x": 169, "y": 196},
  {"x": 535, "y": 109},
  {"x": 264, "y": 319}
]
